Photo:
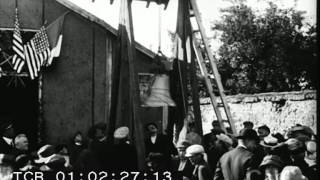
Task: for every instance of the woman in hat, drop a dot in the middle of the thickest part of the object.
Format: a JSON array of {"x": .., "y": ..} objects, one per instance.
[{"x": 201, "y": 171}]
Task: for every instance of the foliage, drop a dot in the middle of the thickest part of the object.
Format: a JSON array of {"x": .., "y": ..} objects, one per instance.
[{"x": 268, "y": 52}]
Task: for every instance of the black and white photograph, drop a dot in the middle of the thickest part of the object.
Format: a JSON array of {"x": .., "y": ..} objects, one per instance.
[{"x": 159, "y": 89}]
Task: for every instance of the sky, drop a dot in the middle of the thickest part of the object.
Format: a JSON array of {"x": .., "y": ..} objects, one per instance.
[{"x": 146, "y": 20}]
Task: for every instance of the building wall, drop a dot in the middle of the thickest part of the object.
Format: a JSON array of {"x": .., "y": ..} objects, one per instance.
[
  {"x": 76, "y": 87},
  {"x": 279, "y": 111}
]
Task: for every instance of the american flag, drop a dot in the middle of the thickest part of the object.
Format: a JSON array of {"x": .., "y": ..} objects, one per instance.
[
  {"x": 37, "y": 52},
  {"x": 18, "y": 59}
]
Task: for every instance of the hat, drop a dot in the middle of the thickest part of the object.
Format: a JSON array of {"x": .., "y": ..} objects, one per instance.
[
  {"x": 22, "y": 160},
  {"x": 304, "y": 129},
  {"x": 4, "y": 125},
  {"x": 194, "y": 149},
  {"x": 248, "y": 134},
  {"x": 269, "y": 141},
  {"x": 247, "y": 123},
  {"x": 265, "y": 127},
  {"x": 294, "y": 145},
  {"x": 224, "y": 138},
  {"x": 311, "y": 146},
  {"x": 45, "y": 153},
  {"x": 121, "y": 132},
  {"x": 272, "y": 160},
  {"x": 215, "y": 123},
  {"x": 183, "y": 144},
  {"x": 56, "y": 162},
  {"x": 292, "y": 173}
]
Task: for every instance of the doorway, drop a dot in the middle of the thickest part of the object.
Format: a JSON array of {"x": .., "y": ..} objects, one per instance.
[{"x": 19, "y": 101}]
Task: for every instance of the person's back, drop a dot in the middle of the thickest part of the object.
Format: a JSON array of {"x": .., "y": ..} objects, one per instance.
[{"x": 232, "y": 165}]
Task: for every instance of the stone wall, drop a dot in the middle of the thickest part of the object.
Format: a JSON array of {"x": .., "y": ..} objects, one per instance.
[{"x": 279, "y": 111}]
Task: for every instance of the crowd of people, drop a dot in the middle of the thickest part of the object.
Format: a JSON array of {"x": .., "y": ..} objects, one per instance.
[{"x": 255, "y": 153}]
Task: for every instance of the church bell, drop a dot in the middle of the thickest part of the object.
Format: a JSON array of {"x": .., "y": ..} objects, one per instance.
[{"x": 160, "y": 93}]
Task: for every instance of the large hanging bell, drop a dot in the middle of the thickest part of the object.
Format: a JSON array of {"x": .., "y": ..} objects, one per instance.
[{"x": 160, "y": 93}]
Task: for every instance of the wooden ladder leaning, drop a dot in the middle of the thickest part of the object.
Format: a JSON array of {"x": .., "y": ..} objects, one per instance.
[{"x": 194, "y": 12}]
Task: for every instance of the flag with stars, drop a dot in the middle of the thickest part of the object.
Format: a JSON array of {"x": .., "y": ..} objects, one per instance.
[
  {"x": 18, "y": 59},
  {"x": 37, "y": 52}
]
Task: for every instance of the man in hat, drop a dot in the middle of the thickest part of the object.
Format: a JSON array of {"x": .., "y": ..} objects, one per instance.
[
  {"x": 302, "y": 133},
  {"x": 182, "y": 163},
  {"x": 297, "y": 150},
  {"x": 247, "y": 125},
  {"x": 210, "y": 138},
  {"x": 214, "y": 146},
  {"x": 158, "y": 144},
  {"x": 97, "y": 155},
  {"x": 7, "y": 134},
  {"x": 263, "y": 131},
  {"x": 201, "y": 170},
  {"x": 234, "y": 164},
  {"x": 124, "y": 154}
]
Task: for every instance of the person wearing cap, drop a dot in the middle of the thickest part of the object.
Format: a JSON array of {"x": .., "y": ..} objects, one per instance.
[
  {"x": 124, "y": 154},
  {"x": 292, "y": 173},
  {"x": 296, "y": 150},
  {"x": 234, "y": 164},
  {"x": 157, "y": 143},
  {"x": 271, "y": 167},
  {"x": 182, "y": 163},
  {"x": 201, "y": 170},
  {"x": 210, "y": 138},
  {"x": 100, "y": 146},
  {"x": 302, "y": 133},
  {"x": 311, "y": 159},
  {"x": 7, "y": 134}
]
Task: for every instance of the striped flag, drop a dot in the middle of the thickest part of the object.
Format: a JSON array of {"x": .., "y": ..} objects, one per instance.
[
  {"x": 18, "y": 59},
  {"x": 37, "y": 52}
]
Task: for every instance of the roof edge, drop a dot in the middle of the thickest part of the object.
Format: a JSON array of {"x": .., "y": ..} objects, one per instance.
[{"x": 101, "y": 22}]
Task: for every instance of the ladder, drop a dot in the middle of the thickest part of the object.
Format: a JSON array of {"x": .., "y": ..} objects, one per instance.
[{"x": 194, "y": 12}]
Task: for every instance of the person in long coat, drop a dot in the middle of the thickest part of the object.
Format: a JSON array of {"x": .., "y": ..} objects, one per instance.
[
  {"x": 158, "y": 144},
  {"x": 235, "y": 164},
  {"x": 124, "y": 154}
]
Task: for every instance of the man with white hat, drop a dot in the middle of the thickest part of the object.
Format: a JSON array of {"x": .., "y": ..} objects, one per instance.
[
  {"x": 182, "y": 163},
  {"x": 201, "y": 171},
  {"x": 124, "y": 154}
]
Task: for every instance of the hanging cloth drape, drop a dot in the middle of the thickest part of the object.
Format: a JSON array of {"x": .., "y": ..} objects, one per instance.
[
  {"x": 184, "y": 73},
  {"x": 125, "y": 101}
]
